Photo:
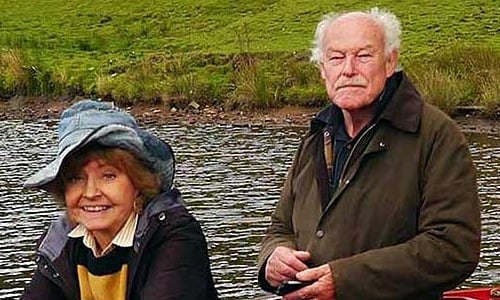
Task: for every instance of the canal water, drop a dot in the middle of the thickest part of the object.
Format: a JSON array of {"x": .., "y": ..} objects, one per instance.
[{"x": 230, "y": 177}]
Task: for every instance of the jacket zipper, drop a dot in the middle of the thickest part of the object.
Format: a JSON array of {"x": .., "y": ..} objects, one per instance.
[
  {"x": 342, "y": 186},
  {"x": 140, "y": 242},
  {"x": 344, "y": 169}
]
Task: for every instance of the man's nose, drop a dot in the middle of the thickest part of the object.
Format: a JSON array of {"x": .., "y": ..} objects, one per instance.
[
  {"x": 349, "y": 66},
  {"x": 91, "y": 189}
]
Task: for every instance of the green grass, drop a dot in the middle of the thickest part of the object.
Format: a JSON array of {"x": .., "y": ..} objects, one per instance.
[
  {"x": 174, "y": 51},
  {"x": 460, "y": 77}
]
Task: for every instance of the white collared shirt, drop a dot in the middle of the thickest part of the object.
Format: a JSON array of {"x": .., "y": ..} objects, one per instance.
[{"x": 124, "y": 237}]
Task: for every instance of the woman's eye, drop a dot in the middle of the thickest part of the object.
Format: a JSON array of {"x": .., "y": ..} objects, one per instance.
[
  {"x": 75, "y": 178},
  {"x": 109, "y": 176}
]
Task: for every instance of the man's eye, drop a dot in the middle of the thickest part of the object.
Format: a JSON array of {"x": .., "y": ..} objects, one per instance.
[
  {"x": 335, "y": 60},
  {"x": 364, "y": 57}
]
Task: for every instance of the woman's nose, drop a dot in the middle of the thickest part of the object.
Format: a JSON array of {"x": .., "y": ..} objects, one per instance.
[{"x": 91, "y": 188}]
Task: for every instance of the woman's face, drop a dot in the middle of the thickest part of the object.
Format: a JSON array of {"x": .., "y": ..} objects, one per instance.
[{"x": 100, "y": 197}]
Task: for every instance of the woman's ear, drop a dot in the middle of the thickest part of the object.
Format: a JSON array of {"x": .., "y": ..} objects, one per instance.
[{"x": 138, "y": 203}]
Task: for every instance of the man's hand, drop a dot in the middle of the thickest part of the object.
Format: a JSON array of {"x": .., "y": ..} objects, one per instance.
[
  {"x": 322, "y": 289},
  {"x": 284, "y": 263}
]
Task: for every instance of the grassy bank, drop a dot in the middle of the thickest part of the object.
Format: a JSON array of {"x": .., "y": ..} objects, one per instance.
[{"x": 237, "y": 54}]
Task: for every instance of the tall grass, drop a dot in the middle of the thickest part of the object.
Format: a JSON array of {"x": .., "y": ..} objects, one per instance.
[
  {"x": 253, "y": 86},
  {"x": 158, "y": 79},
  {"x": 22, "y": 76},
  {"x": 304, "y": 84},
  {"x": 489, "y": 95},
  {"x": 137, "y": 82},
  {"x": 460, "y": 76},
  {"x": 442, "y": 89}
]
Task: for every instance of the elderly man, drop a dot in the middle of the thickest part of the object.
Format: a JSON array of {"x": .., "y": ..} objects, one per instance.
[{"x": 381, "y": 200}]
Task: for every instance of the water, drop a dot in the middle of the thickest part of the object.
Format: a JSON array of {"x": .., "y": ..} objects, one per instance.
[{"x": 230, "y": 178}]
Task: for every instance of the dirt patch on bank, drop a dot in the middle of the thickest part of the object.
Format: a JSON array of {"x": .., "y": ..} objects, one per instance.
[{"x": 40, "y": 109}]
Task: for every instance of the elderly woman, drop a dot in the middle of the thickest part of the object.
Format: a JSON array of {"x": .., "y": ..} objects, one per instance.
[{"x": 126, "y": 233}]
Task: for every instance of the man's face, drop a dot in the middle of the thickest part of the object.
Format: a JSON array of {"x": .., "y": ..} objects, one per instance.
[{"x": 354, "y": 64}]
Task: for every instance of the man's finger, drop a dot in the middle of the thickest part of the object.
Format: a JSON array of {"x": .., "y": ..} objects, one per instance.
[
  {"x": 283, "y": 269},
  {"x": 283, "y": 264},
  {"x": 323, "y": 286},
  {"x": 290, "y": 258},
  {"x": 296, "y": 264},
  {"x": 302, "y": 255},
  {"x": 313, "y": 274}
]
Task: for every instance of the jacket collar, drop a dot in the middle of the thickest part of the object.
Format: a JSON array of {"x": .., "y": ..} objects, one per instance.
[
  {"x": 403, "y": 110},
  {"x": 161, "y": 203},
  {"x": 56, "y": 238}
]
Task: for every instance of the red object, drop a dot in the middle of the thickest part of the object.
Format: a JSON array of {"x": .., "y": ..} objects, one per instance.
[{"x": 473, "y": 294}]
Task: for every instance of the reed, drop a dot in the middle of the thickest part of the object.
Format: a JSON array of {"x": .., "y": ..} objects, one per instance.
[
  {"x": 254, "y": 86},
  {"x": 12, "y": 71},
  {"x": 489, "y": 91},
  {"x": 460, "y": 76},
  {"x": 443, "y": 90}
]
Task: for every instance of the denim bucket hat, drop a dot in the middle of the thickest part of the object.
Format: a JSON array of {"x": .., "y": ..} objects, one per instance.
[{"x": 101, "y": 122}]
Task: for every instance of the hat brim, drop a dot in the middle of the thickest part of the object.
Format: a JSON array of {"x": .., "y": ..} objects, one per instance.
[{"x": 75, "y": 141}]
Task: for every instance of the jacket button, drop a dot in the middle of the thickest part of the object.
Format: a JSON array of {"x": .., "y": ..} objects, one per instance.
[{"x": 320, "y": 233}]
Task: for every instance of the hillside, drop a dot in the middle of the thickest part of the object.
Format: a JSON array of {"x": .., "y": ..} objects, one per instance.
[
  {"x": 68, "y": 28},
  {"x": 67, "y": 47}
]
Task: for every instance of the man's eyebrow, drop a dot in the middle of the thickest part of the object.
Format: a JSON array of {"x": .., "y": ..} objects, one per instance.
[{"x": 367, "y": 47}]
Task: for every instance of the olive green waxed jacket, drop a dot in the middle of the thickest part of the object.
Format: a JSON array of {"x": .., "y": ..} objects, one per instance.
[{"x": 404, "y": 222}]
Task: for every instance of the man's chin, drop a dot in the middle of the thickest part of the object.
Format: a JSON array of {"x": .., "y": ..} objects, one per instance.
[{"x": 351, "y": 103}]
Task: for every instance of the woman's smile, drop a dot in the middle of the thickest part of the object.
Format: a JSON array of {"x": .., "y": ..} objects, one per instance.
[{"x": 95, "y": 208}]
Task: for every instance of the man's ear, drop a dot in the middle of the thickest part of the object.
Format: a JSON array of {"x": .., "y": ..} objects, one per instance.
[
  {"x": 322, "y": 70},
  {"x": 391, "y": 63}
]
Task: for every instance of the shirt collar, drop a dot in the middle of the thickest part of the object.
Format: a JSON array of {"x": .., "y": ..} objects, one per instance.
[{"x": 124, "y": 237}]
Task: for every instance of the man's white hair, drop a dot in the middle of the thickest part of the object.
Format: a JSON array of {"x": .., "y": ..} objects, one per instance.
[{"x": 388, "y": 21}]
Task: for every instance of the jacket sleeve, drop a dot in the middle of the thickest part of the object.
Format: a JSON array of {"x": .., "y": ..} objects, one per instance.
[
  {"x": 445, "y": 250},
  {"x": 177, "y": 263},
  {"x": 280, "y": 232},
  {"x": 41, "y": 288}
]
